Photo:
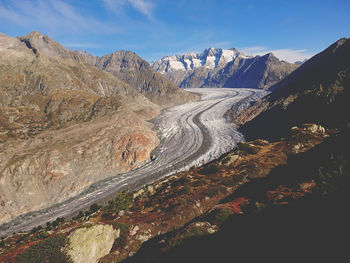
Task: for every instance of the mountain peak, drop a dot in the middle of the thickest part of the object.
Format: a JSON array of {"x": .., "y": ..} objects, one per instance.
[
  {"x": 270, "y": 55},
  {"x": 34, "y": 34},
  {"x": 40, "y": 43},
  {"x": 211, "y": 51},
  {"x": 339, "y": 43}
]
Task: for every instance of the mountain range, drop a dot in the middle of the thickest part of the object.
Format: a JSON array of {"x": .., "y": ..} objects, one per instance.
[
  {"x": 227, "y": 68},
  {"x": 130, "y": 68}
]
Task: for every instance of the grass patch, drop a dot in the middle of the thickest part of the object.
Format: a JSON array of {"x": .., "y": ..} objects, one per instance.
[{"x": 48, "y": 250}]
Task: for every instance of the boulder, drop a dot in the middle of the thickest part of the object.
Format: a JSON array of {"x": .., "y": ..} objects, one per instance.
[{"x": 88, "y": 245}]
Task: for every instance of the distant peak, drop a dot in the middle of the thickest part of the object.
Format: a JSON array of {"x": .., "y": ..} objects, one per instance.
[
  {"x": 34, "y": 34},
  {"x": 37, "y": 37},
  {"x": 342, "y": 41},
  {"x": 270, "y": 55},
  {"x": 339, "y": 43},
  {"x": 40, "y": 43},
  {"x": 209, "y": 51}
]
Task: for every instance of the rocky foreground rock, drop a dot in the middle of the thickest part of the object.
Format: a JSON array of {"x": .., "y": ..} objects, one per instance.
[{"x": 89, "y": 244}]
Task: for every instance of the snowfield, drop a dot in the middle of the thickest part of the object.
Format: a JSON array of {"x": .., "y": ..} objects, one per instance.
[{"x": 191, "y": 134}]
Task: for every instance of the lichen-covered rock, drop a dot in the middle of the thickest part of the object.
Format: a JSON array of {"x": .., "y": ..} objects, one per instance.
[{"x": 87, "y": 245}]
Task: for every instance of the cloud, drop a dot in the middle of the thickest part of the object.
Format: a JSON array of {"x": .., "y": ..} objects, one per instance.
[
  {"x": 143, "y": 6},
  {"x": 55, "y": 16},
  {"x": 290, "y": 55}
]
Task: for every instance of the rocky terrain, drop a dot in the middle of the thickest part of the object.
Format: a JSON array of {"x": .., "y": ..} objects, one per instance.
[
  {"x": 65, "y": 124},
  {"x": 223, "y": 68},
  {"x": 282, "y": 199},
  {"x": 191, "y": 134},
  {"x": 169, "y": 217},
  {"x": 129, "y": 67},
  {"x": 318, "y": 91}
]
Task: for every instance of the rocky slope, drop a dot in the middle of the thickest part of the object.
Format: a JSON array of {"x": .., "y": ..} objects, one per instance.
[
  {"x": 255, "y": 177},
  {"x": 318, "y": 91},
  {"x": 299, "y": 210},
  {"x": 64, "y": 124},
  {"x": 138, "y": 73},
  {"x": 223, "y": 68}
]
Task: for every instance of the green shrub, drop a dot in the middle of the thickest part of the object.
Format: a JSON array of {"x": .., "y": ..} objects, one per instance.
[
  {"x": 122, "y": 202},
  {"x": 80, "y": 215},
  {"x": 107, "y": 214},
  {"x": 87, "y": 213},
  {"x": 48, "y": 226},
  {"x": 36, "y": 229},
  {"x": 94, "y": 208},
  {"x": 48, "y": 250},
  {"x": 55, "y": 223},
  {"x": 43, "y": 235},
  {"x": 123, "y": 238}
]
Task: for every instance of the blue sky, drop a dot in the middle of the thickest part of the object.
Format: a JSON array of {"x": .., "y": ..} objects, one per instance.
[{"x": 292, "y": 29}]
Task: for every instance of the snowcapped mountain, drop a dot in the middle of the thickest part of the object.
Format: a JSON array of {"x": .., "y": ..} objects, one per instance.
[
  {"x": 223, "y": 68},
  {"x": 210, "y": 58}
]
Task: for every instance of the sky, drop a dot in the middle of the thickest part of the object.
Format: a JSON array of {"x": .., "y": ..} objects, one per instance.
[{"x": 292, "y": 29}]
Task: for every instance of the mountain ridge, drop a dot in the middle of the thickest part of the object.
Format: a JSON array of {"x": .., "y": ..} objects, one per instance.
[
  {"x": 223, "y": 68},
  {"x": 129, "y": 67},
  {"x": 318, "y": 91}
]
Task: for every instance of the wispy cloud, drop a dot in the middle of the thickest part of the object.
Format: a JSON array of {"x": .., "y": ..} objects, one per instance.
[
  {"x": 143, "y": 6},
  {"x": 290, "y": 55},
  {"x": 53, "y": 16}
]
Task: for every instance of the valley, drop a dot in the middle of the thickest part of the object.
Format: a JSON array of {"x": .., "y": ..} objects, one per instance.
[
  {"x": 191, "y": 134},
  {"x": 143, "y": 131}
]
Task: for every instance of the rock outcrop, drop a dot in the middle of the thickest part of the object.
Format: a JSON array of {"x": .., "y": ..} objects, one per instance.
[
  {"x": 223, "y": 68},
  {"x": 129, "y": 67},
  {"x": 89, "y": 244}
]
